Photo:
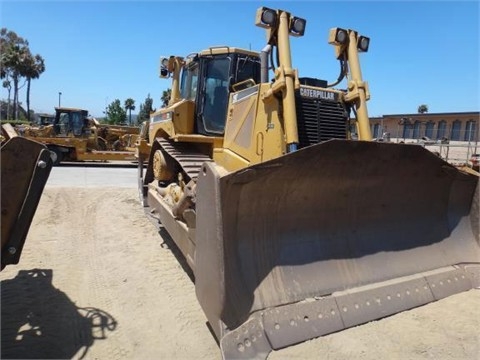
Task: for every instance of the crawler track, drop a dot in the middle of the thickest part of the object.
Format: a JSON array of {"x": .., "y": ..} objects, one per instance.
[{"x": 190, "y": 161}]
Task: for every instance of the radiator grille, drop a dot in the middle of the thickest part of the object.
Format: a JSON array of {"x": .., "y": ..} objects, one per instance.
[{"x": 320, "y": 120}]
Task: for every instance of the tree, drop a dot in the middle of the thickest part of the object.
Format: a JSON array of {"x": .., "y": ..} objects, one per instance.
[
  {"x": 129, "y": 106},
  {"x": 115, "y": 113},
  {"x": 13, "y": 54},
  {"x": 166, "y": 95},
  {"x": 422, "y": 109},
  {"x": 145, "y": 110},
  {"x": 17, "y": 62},
  {"x": 34, "y": 66},
  {"x": 7, "y": 85},
  {"x": 5, "y": 107}
]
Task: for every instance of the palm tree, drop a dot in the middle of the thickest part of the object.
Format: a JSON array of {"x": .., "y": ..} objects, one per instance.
[
  {"x": 129, "y": 106},
  {"x": 12, "y": 68},
  {"x": 34, "y": 66},
  {"x": 12, "y": 61}
]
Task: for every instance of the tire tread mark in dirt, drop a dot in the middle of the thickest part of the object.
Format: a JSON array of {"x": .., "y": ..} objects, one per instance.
[{"x": 100, "y": 287}]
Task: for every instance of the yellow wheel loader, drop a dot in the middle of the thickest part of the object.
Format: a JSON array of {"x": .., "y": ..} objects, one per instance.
[
  {"x": 26, "y": 165},
  {"x": 73, "y": 136},
  {"x": 294, "y": 222}
]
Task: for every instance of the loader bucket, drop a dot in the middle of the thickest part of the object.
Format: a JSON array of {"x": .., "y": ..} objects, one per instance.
[
  {"x": 26, "y": 166},
  {"x": 329, "y": 237}
]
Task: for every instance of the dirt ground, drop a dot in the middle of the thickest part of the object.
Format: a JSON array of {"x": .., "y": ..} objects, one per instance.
[{"x": 96, "y": 281}]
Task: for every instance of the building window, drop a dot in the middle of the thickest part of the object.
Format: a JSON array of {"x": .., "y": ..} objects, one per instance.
[
  {"x": 416, "y": 129},
  {"x": 407, "y": 130},
  {"x": 442, "y": 127},
  {"x": 470, "y": 131},
  {"x": 456, "y": 130},
  {"x": 429, "y": 127}
]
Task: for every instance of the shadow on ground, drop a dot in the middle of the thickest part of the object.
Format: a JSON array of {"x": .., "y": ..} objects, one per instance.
[{"x": 41, "y": 322}]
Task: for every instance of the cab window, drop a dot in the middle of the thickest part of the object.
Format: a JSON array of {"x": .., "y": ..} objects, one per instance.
[
  {"x": 188, "y": 84},
  {"x": 216, "y": 89}
]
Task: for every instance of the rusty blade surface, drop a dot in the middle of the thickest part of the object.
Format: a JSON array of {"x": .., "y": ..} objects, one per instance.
[{"x": 328, "y": 218}]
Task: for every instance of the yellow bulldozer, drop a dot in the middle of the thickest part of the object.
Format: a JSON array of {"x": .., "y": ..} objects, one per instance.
[
  {"x": 293, "y": 220},
  {"x": 25, "y": 168},
  {"x": 74, "y": 136}
]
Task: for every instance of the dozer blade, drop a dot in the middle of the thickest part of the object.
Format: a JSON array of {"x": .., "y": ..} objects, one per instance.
[
  {"x": 329, "y": 237},
  {"x": 26, "y": 166}
]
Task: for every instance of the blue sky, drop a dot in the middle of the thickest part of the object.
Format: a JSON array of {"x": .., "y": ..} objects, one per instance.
[{"x": 99, "y": 51}]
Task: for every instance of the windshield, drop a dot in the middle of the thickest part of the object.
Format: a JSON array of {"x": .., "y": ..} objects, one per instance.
[
  {"x": 77, "y": 123},
  {"x": 248, "y": 67}
]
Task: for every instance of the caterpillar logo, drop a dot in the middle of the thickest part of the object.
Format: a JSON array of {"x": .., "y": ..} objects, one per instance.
[{"x": 318, "y": 94}]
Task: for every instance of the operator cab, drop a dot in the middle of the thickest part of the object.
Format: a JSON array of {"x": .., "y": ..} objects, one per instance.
[
  {"x": 207, "y": 79},
  {"x": 45, "y": 119},
  {"x": 69, "y": 121}
]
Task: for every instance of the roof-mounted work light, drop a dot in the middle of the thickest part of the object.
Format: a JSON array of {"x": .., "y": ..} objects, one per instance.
[
  {"x": 164, "y": 72},
  {"x": 266, "y": 17},
  {"x": 297, "y": 26},
  {"x": 362, "y": 43},
  {"x": 338, "y": 36}
]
